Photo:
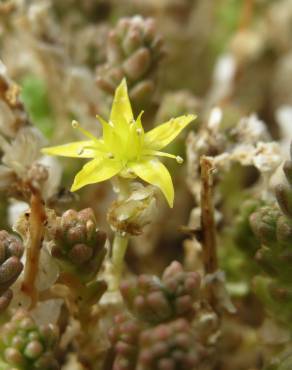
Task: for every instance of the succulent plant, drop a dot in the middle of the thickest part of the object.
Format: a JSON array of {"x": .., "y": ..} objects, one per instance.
[
  {"x": 78, "y": 244},
  {"x": 11, "y": 250},
  {"x": 169, "y": 346},
  {"x": 26, "y": 346},
  {"x": 242, "y": 232},
  {"x": 124, "y": 336},
  {"x": 134, "y": 50},
  {"x": 153, "y": 300},
  {"x": 272, "y": 225}
]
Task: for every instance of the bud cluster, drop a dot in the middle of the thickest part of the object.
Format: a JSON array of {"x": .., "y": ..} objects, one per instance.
[
  {"x": 25, "y": 346},
  {"x": 78, "y": 242},
  {"x": 124, "y": 336},
  {"x": 11, "y": 250},
  {"x": 133, "y": 51},
  {"x": 272, "y": 225},
  {"x": 169, "y": 346},
  {"x": 153, "y": 300}
]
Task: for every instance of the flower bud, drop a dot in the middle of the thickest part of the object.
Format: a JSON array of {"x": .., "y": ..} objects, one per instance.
[
  {"x": 25, "y": 346},
  {"x": 132, "y": 214},
  {"x": 78, "y": 242}
]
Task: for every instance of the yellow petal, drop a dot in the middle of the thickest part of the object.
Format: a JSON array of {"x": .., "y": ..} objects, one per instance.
[
  {"x": 155, "y": 173},
  {"x": 135, "y": 138},
  {"x": 107, "y": 132},
  {"x": 121, "y": 112},
  {"x": 81, "y": 149},
  {"x": 163, "y": 134},
  {"x": 97, "y": 170}
]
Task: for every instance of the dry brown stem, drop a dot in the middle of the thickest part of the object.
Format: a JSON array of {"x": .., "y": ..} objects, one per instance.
[
  {"x": 207, "y": 217},
  {"x": 36, "y": 229}
]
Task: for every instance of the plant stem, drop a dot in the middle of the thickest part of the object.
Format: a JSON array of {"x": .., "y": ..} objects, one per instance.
[
  {"x": 120, "y": 242},
  {"x": 119, "y": 249},
  {"x": 34, "y": 240},
  {"x": 207, "y": 217},
  {"x": 210, "y": 259}
]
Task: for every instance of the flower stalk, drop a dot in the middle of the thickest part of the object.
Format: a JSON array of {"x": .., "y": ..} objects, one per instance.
[{"x": 119, "y": 249}]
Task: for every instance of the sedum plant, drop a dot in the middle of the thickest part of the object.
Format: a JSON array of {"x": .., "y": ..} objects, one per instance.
[
  {"x": 66, "y": 301},
  {"x": 127, "y": 151},
  {"x": 26, "y": 346}
]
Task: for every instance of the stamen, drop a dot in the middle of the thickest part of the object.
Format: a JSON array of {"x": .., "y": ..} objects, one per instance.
[
  {"x": 139, "y": 131},
  {"x": 130, "y": 172},
  {"x": 163, "y": 154},
  {"x": 76, "y": 125},
  {"x": 80, "y": 151},
  {"x": 103, "y": 121},
  {"x": 110, "y": 155}
]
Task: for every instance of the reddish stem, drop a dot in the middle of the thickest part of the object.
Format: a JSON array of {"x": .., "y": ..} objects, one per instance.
[{"x": 36, "y": 230}]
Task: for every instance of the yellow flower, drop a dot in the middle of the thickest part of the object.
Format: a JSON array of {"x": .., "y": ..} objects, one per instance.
[{"x": 124, "y": 148}]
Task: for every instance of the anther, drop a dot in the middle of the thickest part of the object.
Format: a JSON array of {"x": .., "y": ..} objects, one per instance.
[
  {"x": 80, "y": 151},
  {"x": 179, "y": 159},
  {"x": 75, "y": 124}
]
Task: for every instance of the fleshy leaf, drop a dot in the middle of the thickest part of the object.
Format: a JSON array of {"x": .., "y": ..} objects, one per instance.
[
  {"x": 162, "y": 135},
  {"x": 155, "y": 173},
  {"x": 77, "y": 149},
  {"x": 97, "y": 170}
]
